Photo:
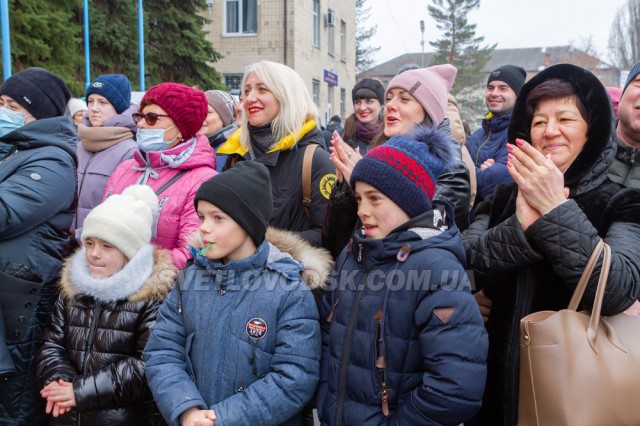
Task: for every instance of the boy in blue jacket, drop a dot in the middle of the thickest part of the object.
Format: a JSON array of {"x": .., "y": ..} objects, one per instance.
[
  {"x": 238, "y": 343},
  {"x": 403, "y": 339}
]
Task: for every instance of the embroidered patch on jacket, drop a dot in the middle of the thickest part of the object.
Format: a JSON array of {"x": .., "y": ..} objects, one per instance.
[
  {"x": 256, "y": 328},
  {"x": 444, "y": 314},
  {"x": 326, "y": 185}
]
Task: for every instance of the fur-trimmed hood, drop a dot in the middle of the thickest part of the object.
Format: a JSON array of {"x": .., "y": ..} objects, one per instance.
[
  {"x": 158, "y": 285},
  {"x": 590, "y": 167},
  {"x": 317, "y": 262}
]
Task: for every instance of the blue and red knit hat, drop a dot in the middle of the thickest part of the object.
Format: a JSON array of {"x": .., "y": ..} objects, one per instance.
[{"x": 406, "y": 168}]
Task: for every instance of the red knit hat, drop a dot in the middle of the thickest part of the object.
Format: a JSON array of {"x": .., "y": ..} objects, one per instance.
[{"x": 186, "y": 106}]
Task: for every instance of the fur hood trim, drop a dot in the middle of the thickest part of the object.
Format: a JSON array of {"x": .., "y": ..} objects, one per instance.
[
  {"x": 317, "y": 262},
  {"x": 158, "y": 285}
]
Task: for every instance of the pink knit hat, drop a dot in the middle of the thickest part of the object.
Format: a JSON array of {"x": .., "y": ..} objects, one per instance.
[
  {"x": 186, "y": 106},
  {"x": 430, "y": 86}
]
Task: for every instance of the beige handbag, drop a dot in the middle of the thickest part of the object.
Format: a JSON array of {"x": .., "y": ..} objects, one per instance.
[{"x": 578, "y": 368}]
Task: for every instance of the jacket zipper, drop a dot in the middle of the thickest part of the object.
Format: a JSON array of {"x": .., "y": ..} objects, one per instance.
[
  {"x": 95, "y": 319},
  {"x": 9, "y": 156},
  {"x": 84, "y": 173},
  {"x": 481, "y": 145},
  {"x": 346, "y": 347},
  {"x": 632, "y": 161}
]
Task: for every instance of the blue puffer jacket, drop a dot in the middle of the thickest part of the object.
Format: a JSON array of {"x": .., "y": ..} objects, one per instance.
[
  {"x": 490, "y": 142},
  {"x": 246, "y": 344},
  {"x": 37, "y": 191},
  {"x": 434, "y": 342}
]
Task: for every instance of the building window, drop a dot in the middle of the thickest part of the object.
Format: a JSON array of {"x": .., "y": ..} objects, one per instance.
[
  {"x": 316, "y": 23},
  {"x": 233, "y": 81},
  {"x": 343, "y": 40},
  {"x": 241, "y": 16},
  {"x": 342, "y": 105},
  {"x": 330, "y": 28},
  {"x": 316, "y": 91}
]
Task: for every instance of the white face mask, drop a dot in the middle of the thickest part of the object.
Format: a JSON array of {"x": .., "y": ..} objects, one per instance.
[
  {"x": 150, "y": 140},
  {"x": 10, "y": 120}
]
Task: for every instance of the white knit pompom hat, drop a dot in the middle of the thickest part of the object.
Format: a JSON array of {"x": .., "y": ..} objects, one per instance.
[{"x": 124, "y": 220}]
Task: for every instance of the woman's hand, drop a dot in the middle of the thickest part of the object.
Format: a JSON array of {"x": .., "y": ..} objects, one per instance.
[
  {"x": 344, "y": 157},
  {"x": 539, "y": 180},
  {"x": 525, "y": 213}
]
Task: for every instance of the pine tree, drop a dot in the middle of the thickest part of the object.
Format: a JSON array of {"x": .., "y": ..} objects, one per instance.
[
  {"x": 364, "y": 51},
  {"x": 47, "y": 34},
  {"x": 459, "y": 45},
  {"x": 113, "y": 38},
  {"x": 175, "y": 45}
]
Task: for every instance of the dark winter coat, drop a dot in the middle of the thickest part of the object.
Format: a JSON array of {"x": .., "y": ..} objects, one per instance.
[
  {"x": 37, "y": 192},
  {"x": 434, "y": 343},
  {"x": 97, "y": 345},
  {"x": 490, "y": 141},
  {"x": 625, "y": 169},
  {"x": 525, "y": 272},
  {"x": 241, "y": 338},
  {"x": 285, "y": 169}
]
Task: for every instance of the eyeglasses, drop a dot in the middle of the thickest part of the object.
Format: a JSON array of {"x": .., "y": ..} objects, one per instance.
[{"x": 151, "y": 117}]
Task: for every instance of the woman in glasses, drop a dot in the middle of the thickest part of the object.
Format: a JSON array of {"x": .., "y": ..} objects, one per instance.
[
  {"x": 107, "y": 136},
  {"x": 172, "y": 159}
]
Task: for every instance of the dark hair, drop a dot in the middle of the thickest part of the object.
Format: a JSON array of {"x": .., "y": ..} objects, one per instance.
[{"x": 555, "y": 88}]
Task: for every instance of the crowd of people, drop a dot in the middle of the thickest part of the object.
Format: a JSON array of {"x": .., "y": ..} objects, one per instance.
[{"x": 200, "y": 260}]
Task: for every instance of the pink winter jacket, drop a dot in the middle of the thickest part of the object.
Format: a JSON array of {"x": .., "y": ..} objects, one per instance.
[{"x": 178, "y": 218}]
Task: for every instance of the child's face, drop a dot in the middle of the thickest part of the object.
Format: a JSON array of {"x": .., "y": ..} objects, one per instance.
[
  {"x": 228, "y": 240},
  {"x": 378, "y": 213},
  {"x": 103, "y": 259}
]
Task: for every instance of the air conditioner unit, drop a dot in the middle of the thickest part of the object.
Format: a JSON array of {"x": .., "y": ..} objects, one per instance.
[{"x": 330, "y": 19}]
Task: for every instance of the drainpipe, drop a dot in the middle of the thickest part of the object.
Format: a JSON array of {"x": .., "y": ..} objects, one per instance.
[{"x": 285, "y": 31}]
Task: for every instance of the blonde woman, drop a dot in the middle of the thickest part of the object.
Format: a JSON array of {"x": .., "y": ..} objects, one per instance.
[{"x": 278, "y": 124}]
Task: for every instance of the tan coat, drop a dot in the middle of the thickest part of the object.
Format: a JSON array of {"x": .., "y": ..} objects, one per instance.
[{"x": 457, "y": 131}]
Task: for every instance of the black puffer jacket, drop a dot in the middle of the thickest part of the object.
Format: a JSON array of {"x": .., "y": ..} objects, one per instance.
[
  {"x": 97, "y": 345},
  {"x": 525, "y": 272}
]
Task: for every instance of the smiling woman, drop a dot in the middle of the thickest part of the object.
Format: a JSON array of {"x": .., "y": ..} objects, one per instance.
[
  {"x": 278, "y": 129},
  {"x": 531, "y": 240}
]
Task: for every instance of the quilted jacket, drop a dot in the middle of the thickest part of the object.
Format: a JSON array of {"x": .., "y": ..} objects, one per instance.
[
  {"x": 435, "y": 363},
  {"x": 625, "y": 169},
  {"x": 524, "y": 272},
  {"x": 177, "y": 217},
  {"x": 96, "y": 342}
]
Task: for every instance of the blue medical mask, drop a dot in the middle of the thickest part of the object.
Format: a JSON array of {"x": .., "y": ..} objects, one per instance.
[
  {"x": 10, "y": 120},
  {"x": 153, "y": 139}
]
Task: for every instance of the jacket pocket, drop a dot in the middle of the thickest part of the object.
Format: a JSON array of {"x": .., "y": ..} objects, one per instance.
[{"x": 18, "y": 300}]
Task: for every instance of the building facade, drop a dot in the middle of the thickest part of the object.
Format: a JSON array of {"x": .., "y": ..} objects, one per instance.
[{"x": 314, "y": 37}]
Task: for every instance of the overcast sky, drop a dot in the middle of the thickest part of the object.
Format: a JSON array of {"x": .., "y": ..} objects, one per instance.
[{"x": 519, "y": 23}]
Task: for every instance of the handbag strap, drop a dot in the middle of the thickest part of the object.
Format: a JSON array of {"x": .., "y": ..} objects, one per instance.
[
  {"x": 171, "y": 181},
  {"x": 307, "y": 163},
  {"x": 594, "y": 321},
  {"x": 584, "y": 279}
]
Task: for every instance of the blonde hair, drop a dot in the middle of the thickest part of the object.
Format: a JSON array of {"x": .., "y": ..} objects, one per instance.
[{"x": 296, "y": 104}]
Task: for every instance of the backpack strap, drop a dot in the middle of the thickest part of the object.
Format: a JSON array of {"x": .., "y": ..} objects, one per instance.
[
  {"x": 306, "y": 177},
  {"x": 171, "y": 181}
]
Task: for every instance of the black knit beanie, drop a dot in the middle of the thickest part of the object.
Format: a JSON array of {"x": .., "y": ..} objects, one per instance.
[
  {"x": 512, "y": 75},
  {"x": 244, "y": 193},
  {"x": 368, "y": 88},
  {"x": 39, "y": 91}
]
